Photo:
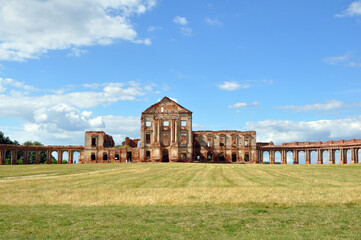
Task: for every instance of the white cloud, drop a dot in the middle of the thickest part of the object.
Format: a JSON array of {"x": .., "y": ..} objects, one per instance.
[
  {"x": 30, "y": 28},
  {"x": 329, "y": 105},
  {"x": 76, "y": 52},
  {"x": 184, "y": 29},
  {"x": 180, "y": 20},
  {"x": 353, "y": 9},
  {"x": 8, "y": 82},
  {"x": 280, "y": 131},
  {"x": 348, "y": 60},
  {"x": 337, "y": 59},
  {"x": 243, "y": 105},
  {"x": 154, "y": 28},
  {"x": 213, "y": 22},
  {"x": 231, "y": 86}
]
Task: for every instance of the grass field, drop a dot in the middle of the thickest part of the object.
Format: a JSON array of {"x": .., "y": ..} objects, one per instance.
[{"x": 180, "y": 201}]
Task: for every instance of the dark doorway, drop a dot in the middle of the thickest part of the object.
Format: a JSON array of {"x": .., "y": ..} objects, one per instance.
[
  {"x": 221, "y": 157},
  {"x": 246, "y": 157},
  {"x": 234, "y": 157},
  {"x": 165, "y": 156},
  {"x": 209, "y": 157},
  {"x": 129, "y": 156}
]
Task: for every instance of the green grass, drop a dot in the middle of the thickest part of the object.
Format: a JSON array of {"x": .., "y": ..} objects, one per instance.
[{"x": 180, "y": 201}]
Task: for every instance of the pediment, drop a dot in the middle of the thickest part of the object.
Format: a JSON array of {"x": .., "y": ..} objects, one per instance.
[{"x": 166, "y": 105}]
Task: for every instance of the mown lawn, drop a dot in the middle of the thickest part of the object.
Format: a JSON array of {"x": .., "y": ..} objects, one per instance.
[{"x": 180, "y": 201}]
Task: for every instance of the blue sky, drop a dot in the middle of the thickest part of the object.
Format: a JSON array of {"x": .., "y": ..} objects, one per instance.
[{"x": 290, "y": 70}]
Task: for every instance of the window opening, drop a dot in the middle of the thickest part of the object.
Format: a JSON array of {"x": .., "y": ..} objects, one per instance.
[
  {"x": 147, "y": 154},
  {"x": 184, "y": 123},
  {"x": 148, "y": 124},
  {"x": 183, "y": 138},
  {"x": 94, "y": 142},
  {"x": 93, "y": 156},
  {"x": 147, "y": 138},
  {"x": 166, "y": 123}
]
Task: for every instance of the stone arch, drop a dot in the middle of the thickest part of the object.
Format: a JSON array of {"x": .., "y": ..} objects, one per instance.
[
  {"x": 65, "y": 157},
  {"x": 165, "y": 155},
  {"x": 105, "y": 157},
  {"x": 313, "y": 157},
  {"x": 76, "y": 155},
  {"x": 337, "y": 154},
  {"x": 8, "y": 157},
  {"x": 348, "y": 155},
  {"x": 289, "y": 157},
  {"x": 31, "y": 157},
  {"x": 234, "y": 157},
  {"x": 278, "y": 159},
  {"x": 209, "y": 156},
  {"x": 301, "y": 157},
  {"x": 325, "y": 156},
  {"x": 54, "y": 157},
  {"x": 266, "y": 157},
  {"x": 246, "y": 157},
  {"x": 20, "y": 156},
  {"x": 222, "y": 157}
]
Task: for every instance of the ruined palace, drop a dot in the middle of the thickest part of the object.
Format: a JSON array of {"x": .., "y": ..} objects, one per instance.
[{"x": 166, "y": 135}]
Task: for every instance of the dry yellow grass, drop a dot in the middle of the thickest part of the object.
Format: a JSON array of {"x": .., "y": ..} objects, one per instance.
[{"x": 180, "y": 184}]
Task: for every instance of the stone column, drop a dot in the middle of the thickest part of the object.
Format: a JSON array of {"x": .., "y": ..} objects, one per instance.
[
  {"x": 284, "y": 157},
  {"x": 319, "y": 156},
  {"x": 2, "y": 158},
  {"x": 176, "y": 131},
  {"x": 271, "y": 157},
  {"x": 190, "y": 137},
  {"x": 342, "y": 156},
  {"x": 37, "y": 157},
  {"x": 295, "y": 157},
  {"x": 60, "y": 156},
  {"x": 171, "y": 124},
  {"x": 331, "y": 156},
  {"x": 154, "y": 131},
  {"x": 26, "y": 157},
  {"x": 356, "y": 156},
  {"x": 307, "y": 157},
  {"x": 48, "y": 157},
  {"x": 13, "y": 157},
  {"x": 158, "y": 130},
  {"x": 70, "y": 156}
]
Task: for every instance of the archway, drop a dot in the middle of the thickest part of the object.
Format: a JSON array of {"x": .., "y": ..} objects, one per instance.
[
  {"x": 348, "y": 155},
  {"x": 278, "y": 157},
  {"x": 301, "y": 157},
  {"x": 313, "y": 157},
  {"x": 325, "y": 156},
  {"x": 266, "y": 157},
  {"x": 65, "y": 157},
  {"x": 246, "y": 157},
  {"x": 221, "y": 157},
  {"x": 76, "y": 156},
  {"x": 337, "y": 156},
  {"x": 31, "y": 157},
  {"x": 234, "y": 157},
  {"x": 210, "y": 156},
  {"x": 20, "y": 157},
  {"x": 8, "y": 157},
  {"x": 54, "y": 157},
  {"x": 289, "y": 157},
  {"x": 165, "y": 157}
]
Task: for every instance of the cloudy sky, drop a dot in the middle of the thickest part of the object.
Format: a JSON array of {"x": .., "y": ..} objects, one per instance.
[{"x": 291, "y": 70}]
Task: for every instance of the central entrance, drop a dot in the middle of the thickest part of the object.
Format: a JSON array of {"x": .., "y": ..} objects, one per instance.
[{"x": 165, "y": 157}]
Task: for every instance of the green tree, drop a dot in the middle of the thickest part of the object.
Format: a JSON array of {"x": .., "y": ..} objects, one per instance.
[{"x": 7, "y": 140}]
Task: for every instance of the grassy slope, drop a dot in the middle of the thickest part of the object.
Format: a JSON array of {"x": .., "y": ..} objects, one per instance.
[{"x": 180, "y": 201}]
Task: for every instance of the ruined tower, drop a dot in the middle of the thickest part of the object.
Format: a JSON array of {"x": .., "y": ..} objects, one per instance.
[{"x": 166, "y": 133}]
